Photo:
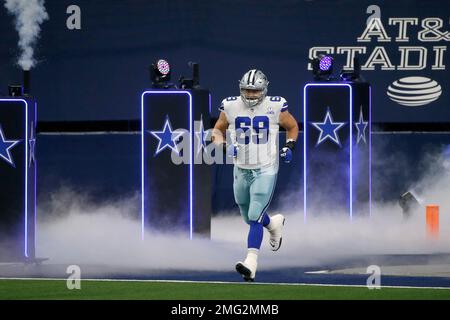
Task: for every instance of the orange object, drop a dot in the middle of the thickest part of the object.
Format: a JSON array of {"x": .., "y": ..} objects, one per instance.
[{"x": 432, "y": 221}]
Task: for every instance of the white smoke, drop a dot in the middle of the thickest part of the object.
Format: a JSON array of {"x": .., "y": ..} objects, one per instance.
[
  {"x": 79, "y": 231},
  {"x": 29, "y": 14},
  {"x": 73, "y": 228}
]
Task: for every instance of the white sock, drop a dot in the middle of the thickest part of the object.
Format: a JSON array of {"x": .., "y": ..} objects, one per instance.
[
  {"x": 269, "y": 227},
  {"x": 252, "y": 256}
]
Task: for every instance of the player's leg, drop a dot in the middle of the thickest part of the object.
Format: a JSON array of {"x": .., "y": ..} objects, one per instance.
[
  {"x": 261, "y": 192},
  {"x": 274, "y": 224},
  {"x": 241, "y": 190}
]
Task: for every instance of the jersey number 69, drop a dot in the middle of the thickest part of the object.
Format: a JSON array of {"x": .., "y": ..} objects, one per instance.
[{"x": 260, "y": 126}]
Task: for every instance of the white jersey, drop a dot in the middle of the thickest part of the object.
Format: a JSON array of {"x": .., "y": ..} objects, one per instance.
[{"x": 255, "y": 130}]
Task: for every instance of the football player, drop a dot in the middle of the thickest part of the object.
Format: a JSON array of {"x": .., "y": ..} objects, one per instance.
[{"x": 253, "y": 121}]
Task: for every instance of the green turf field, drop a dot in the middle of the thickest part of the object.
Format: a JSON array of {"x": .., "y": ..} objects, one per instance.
[{"x": 56, "y": 289}]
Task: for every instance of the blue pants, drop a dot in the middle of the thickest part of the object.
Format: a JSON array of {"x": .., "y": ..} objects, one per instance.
[{"x": 253, "y": 191}]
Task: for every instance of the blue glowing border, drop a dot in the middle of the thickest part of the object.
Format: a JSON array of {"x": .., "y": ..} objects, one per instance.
[
  {"x": 305, "y": 125},
  {"x": 191, "y": 163},
  {"x": 26, "y": 172},
  {"x": 370, "y": 151},
  {"x": 35, "y": 176},
  {"x": 210, "y": 110}
]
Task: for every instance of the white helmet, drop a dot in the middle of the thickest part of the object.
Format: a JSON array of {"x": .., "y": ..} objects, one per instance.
[{"x": 253, "y": 80}]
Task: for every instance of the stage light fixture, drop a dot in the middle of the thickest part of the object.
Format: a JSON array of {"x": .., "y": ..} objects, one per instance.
[
  {"x": 352, "y": 75},
  {"x": 160, "y": 74},
  {"x": 163, "y": 67},
  {"x": 194, "y": 82},
  {"x": 322, "y": 67},
  {"x": 326, "y": 63},
  {"x": 15, "y": 90}
]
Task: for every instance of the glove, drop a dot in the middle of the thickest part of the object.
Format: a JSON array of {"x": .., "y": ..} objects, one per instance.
[
  {"x": 286, "y": 151},
  {"x": 232, "y": 150}
]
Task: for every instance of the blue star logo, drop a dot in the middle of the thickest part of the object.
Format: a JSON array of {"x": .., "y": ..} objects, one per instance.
[
  {"x": 5, "y": 147},
  {"x": 361, "y": 127},
  {"x": 167, "y": 138},
  {"x": 328, "y": 129},
  {"x": 201, "y": 137},
  {"x": 32, "y": 143}
]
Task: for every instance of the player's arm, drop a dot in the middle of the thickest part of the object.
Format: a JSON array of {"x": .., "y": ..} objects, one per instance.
[
  {"x": 288, "y": 122},
  {"x": 218, "y": 134}
]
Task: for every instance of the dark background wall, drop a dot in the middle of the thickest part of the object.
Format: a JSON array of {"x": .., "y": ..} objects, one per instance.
[
  {"x": 99, "y": 72},
  {"x": 107, "y": 167}
]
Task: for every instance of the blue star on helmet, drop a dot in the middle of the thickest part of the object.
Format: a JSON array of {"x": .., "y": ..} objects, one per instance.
[
  {"x": 361, "y": 127},
  {"x": 201, "y": 136},
  {"x": 328, "y": 129},
  {"x": 167, "y": 138},
  {"x": 5, "y": 147}
]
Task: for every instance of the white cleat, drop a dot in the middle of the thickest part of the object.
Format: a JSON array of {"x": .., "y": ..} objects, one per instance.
[
  {"x": 247, "y": 270},
  {"x": 275, "y": 228}
]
